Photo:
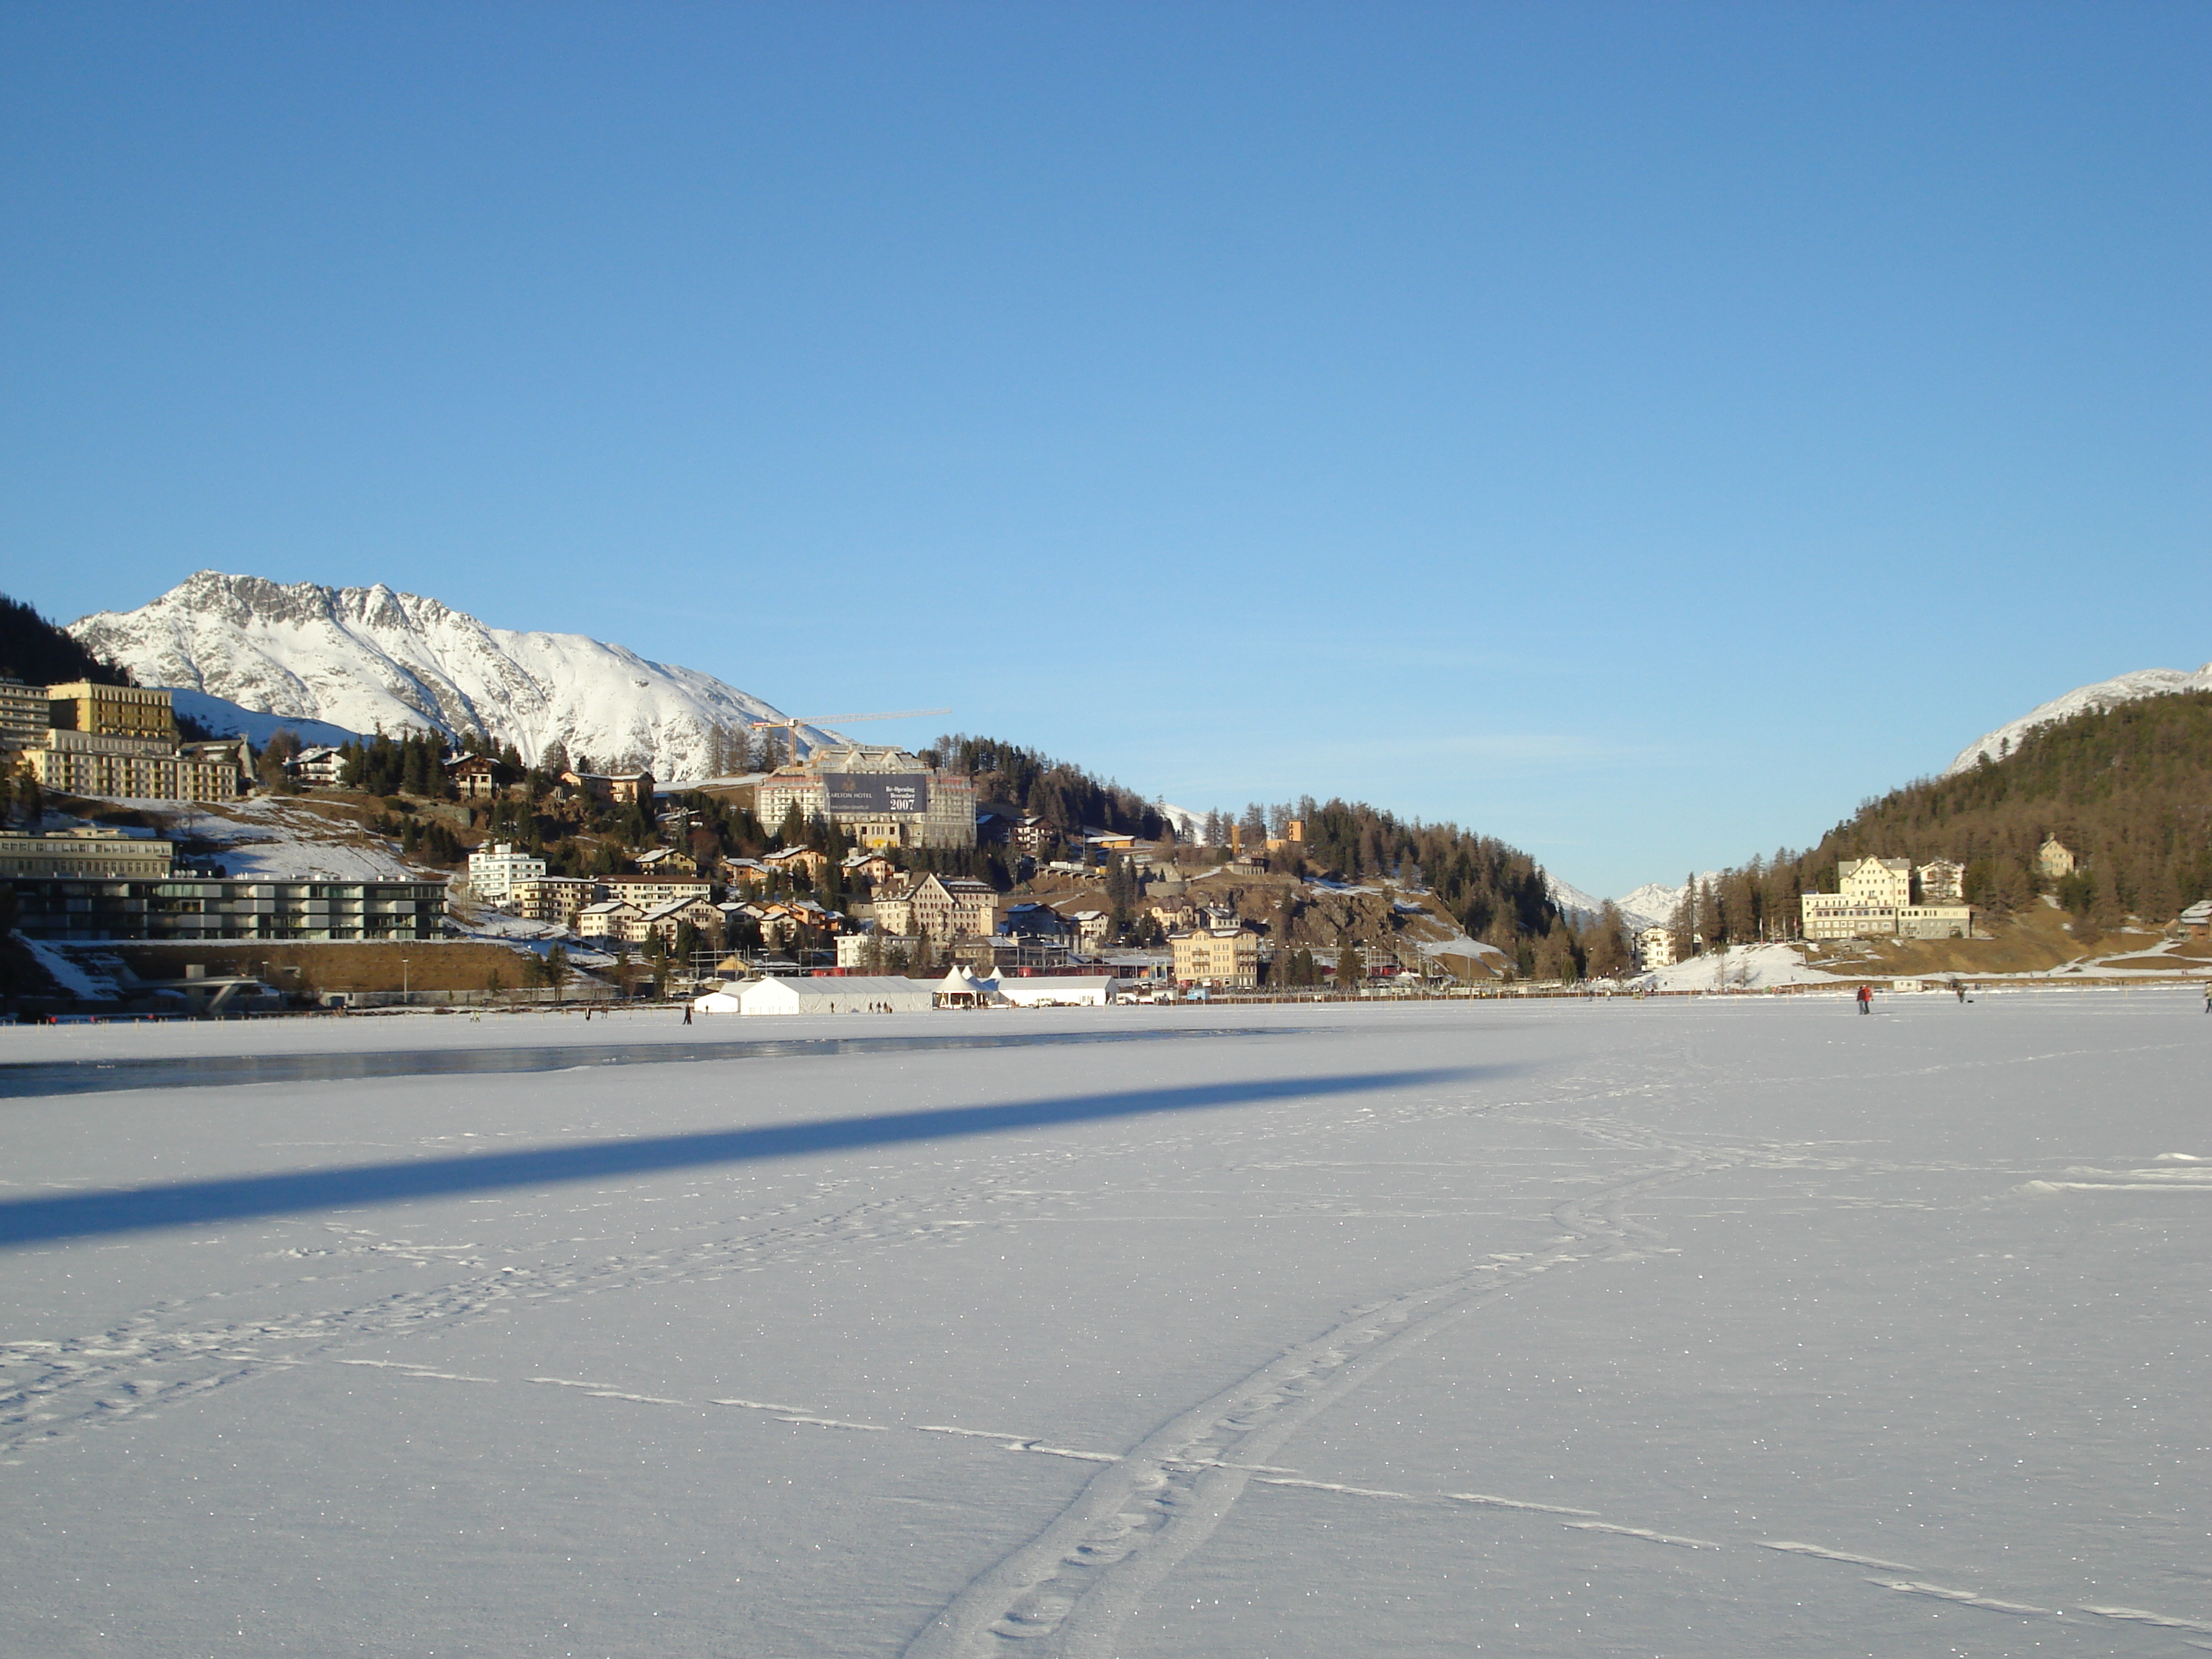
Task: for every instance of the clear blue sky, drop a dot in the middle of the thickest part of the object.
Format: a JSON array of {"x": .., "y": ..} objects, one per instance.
[{"x": 1638, "y": 432}]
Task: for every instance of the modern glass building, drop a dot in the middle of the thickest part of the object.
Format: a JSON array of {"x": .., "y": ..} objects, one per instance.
[{"x": 191, "y": 908}]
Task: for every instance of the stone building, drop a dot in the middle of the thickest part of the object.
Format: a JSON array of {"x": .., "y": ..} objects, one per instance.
[
  {"x": 2053, "y": 860},
  {"x": 943, "y": 906},
  {"x": 1225, "y": 959},
  {"x": 1880, "y": 882},
  {"x": 880, "y": 796},
  {"x": 1876, "y": 902},
  {"x": 612, "y": 788}
]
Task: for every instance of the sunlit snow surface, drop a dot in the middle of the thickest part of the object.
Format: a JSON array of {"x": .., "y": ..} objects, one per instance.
[{"x": 1725, "y": 1327}]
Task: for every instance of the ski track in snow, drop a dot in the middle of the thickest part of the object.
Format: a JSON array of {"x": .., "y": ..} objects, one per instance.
[{"x": 1069, "y": 1589}]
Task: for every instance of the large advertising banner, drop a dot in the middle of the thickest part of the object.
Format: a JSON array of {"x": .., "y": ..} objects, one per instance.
[{"x": 854, "y": 794}]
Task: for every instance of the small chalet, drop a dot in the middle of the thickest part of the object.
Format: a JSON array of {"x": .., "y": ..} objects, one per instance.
[
  {"x": 474, "y": 777},
  {"x": 872, "y": 868},
  {"x": 1023, "y": 832},
  {"x": 321, "y": 767},
  {"x": 791, "y": 859},
  {"x": 784, "y": 918},
  {"x": 1174, "y": 915}
]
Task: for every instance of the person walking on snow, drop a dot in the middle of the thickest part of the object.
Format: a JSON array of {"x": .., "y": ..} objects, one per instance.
[{"x": 1866, "y": 999}]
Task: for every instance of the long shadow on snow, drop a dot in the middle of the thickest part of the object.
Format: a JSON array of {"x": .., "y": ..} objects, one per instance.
[
  {"x": 31, "y": 1078},
  {"x": 136, "y": 1209}
]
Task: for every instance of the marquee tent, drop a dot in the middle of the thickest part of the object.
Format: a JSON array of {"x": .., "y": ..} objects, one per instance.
[{"x": 874, "y": 993}]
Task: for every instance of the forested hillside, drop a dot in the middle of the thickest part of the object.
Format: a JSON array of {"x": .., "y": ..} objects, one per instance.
[
  {"x": 1496, "y": 891},
  {"x": 34, "y": 651},
  {"x": 1066, "y": 797},
  {"x": 2127, "y": 790}
]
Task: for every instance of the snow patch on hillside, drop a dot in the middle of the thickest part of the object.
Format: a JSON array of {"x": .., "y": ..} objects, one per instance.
[
  {"x": 1740, "y": 968},
  {"x": 277, "y": 839},
  {"x": 228, "y": 719},
  {"x": 1188, "y": 825},
  {"x": 2085, "y": 699}
]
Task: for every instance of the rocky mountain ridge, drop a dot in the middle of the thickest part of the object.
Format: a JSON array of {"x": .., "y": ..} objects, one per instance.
[{"x": 365, "y": 657}]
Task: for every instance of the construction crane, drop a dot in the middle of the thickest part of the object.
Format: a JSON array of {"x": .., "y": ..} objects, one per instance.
[{"x": 790, "y": 726}]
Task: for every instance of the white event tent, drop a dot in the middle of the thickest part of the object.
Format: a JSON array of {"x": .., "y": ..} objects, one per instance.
[
  {"x": 959, "y": 989},
  {"x": 880, "y": 993},
  {"x": 1058, "y": 991}
]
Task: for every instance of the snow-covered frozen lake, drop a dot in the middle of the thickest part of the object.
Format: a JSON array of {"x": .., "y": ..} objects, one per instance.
[{"x": 1693, "y": 1327}]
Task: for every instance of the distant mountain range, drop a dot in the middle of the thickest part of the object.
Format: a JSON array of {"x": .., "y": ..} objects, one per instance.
[
  {"x": 365, "y": 657},
  {"x": 1651, "y": 905}
]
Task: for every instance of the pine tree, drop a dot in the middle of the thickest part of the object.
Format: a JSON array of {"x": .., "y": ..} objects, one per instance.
[{"x": 1683, "y": 924}]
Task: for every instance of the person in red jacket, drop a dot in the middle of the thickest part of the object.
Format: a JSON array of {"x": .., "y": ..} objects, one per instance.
[{"x": 1866, "y": 999}]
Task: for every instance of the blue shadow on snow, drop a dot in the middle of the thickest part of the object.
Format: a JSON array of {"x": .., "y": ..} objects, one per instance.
[{"x": 195, "y": 1203}]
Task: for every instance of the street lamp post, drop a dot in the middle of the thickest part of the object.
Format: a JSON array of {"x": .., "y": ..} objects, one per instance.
[{"x": 405, "y": 998}]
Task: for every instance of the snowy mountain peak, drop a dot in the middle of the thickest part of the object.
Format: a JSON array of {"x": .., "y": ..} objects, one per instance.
[
  {"x": 2106, "y": 694},
  {"x": 1579, "y": 906},
  {"x": 368, "y": 657},
  {"x": 1651, "y": 905}
]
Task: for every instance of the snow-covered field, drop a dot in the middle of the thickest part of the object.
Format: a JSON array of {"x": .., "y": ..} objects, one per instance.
[
  {"x": 279, "y": 840},
  {"x": 1741, "y": 967},
  {"x": 1719, "y": 1327}
]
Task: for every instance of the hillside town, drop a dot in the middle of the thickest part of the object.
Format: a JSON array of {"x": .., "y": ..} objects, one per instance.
[
  {"x": 882, "y": 864},
  {"x": 866, "y": 864}
]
